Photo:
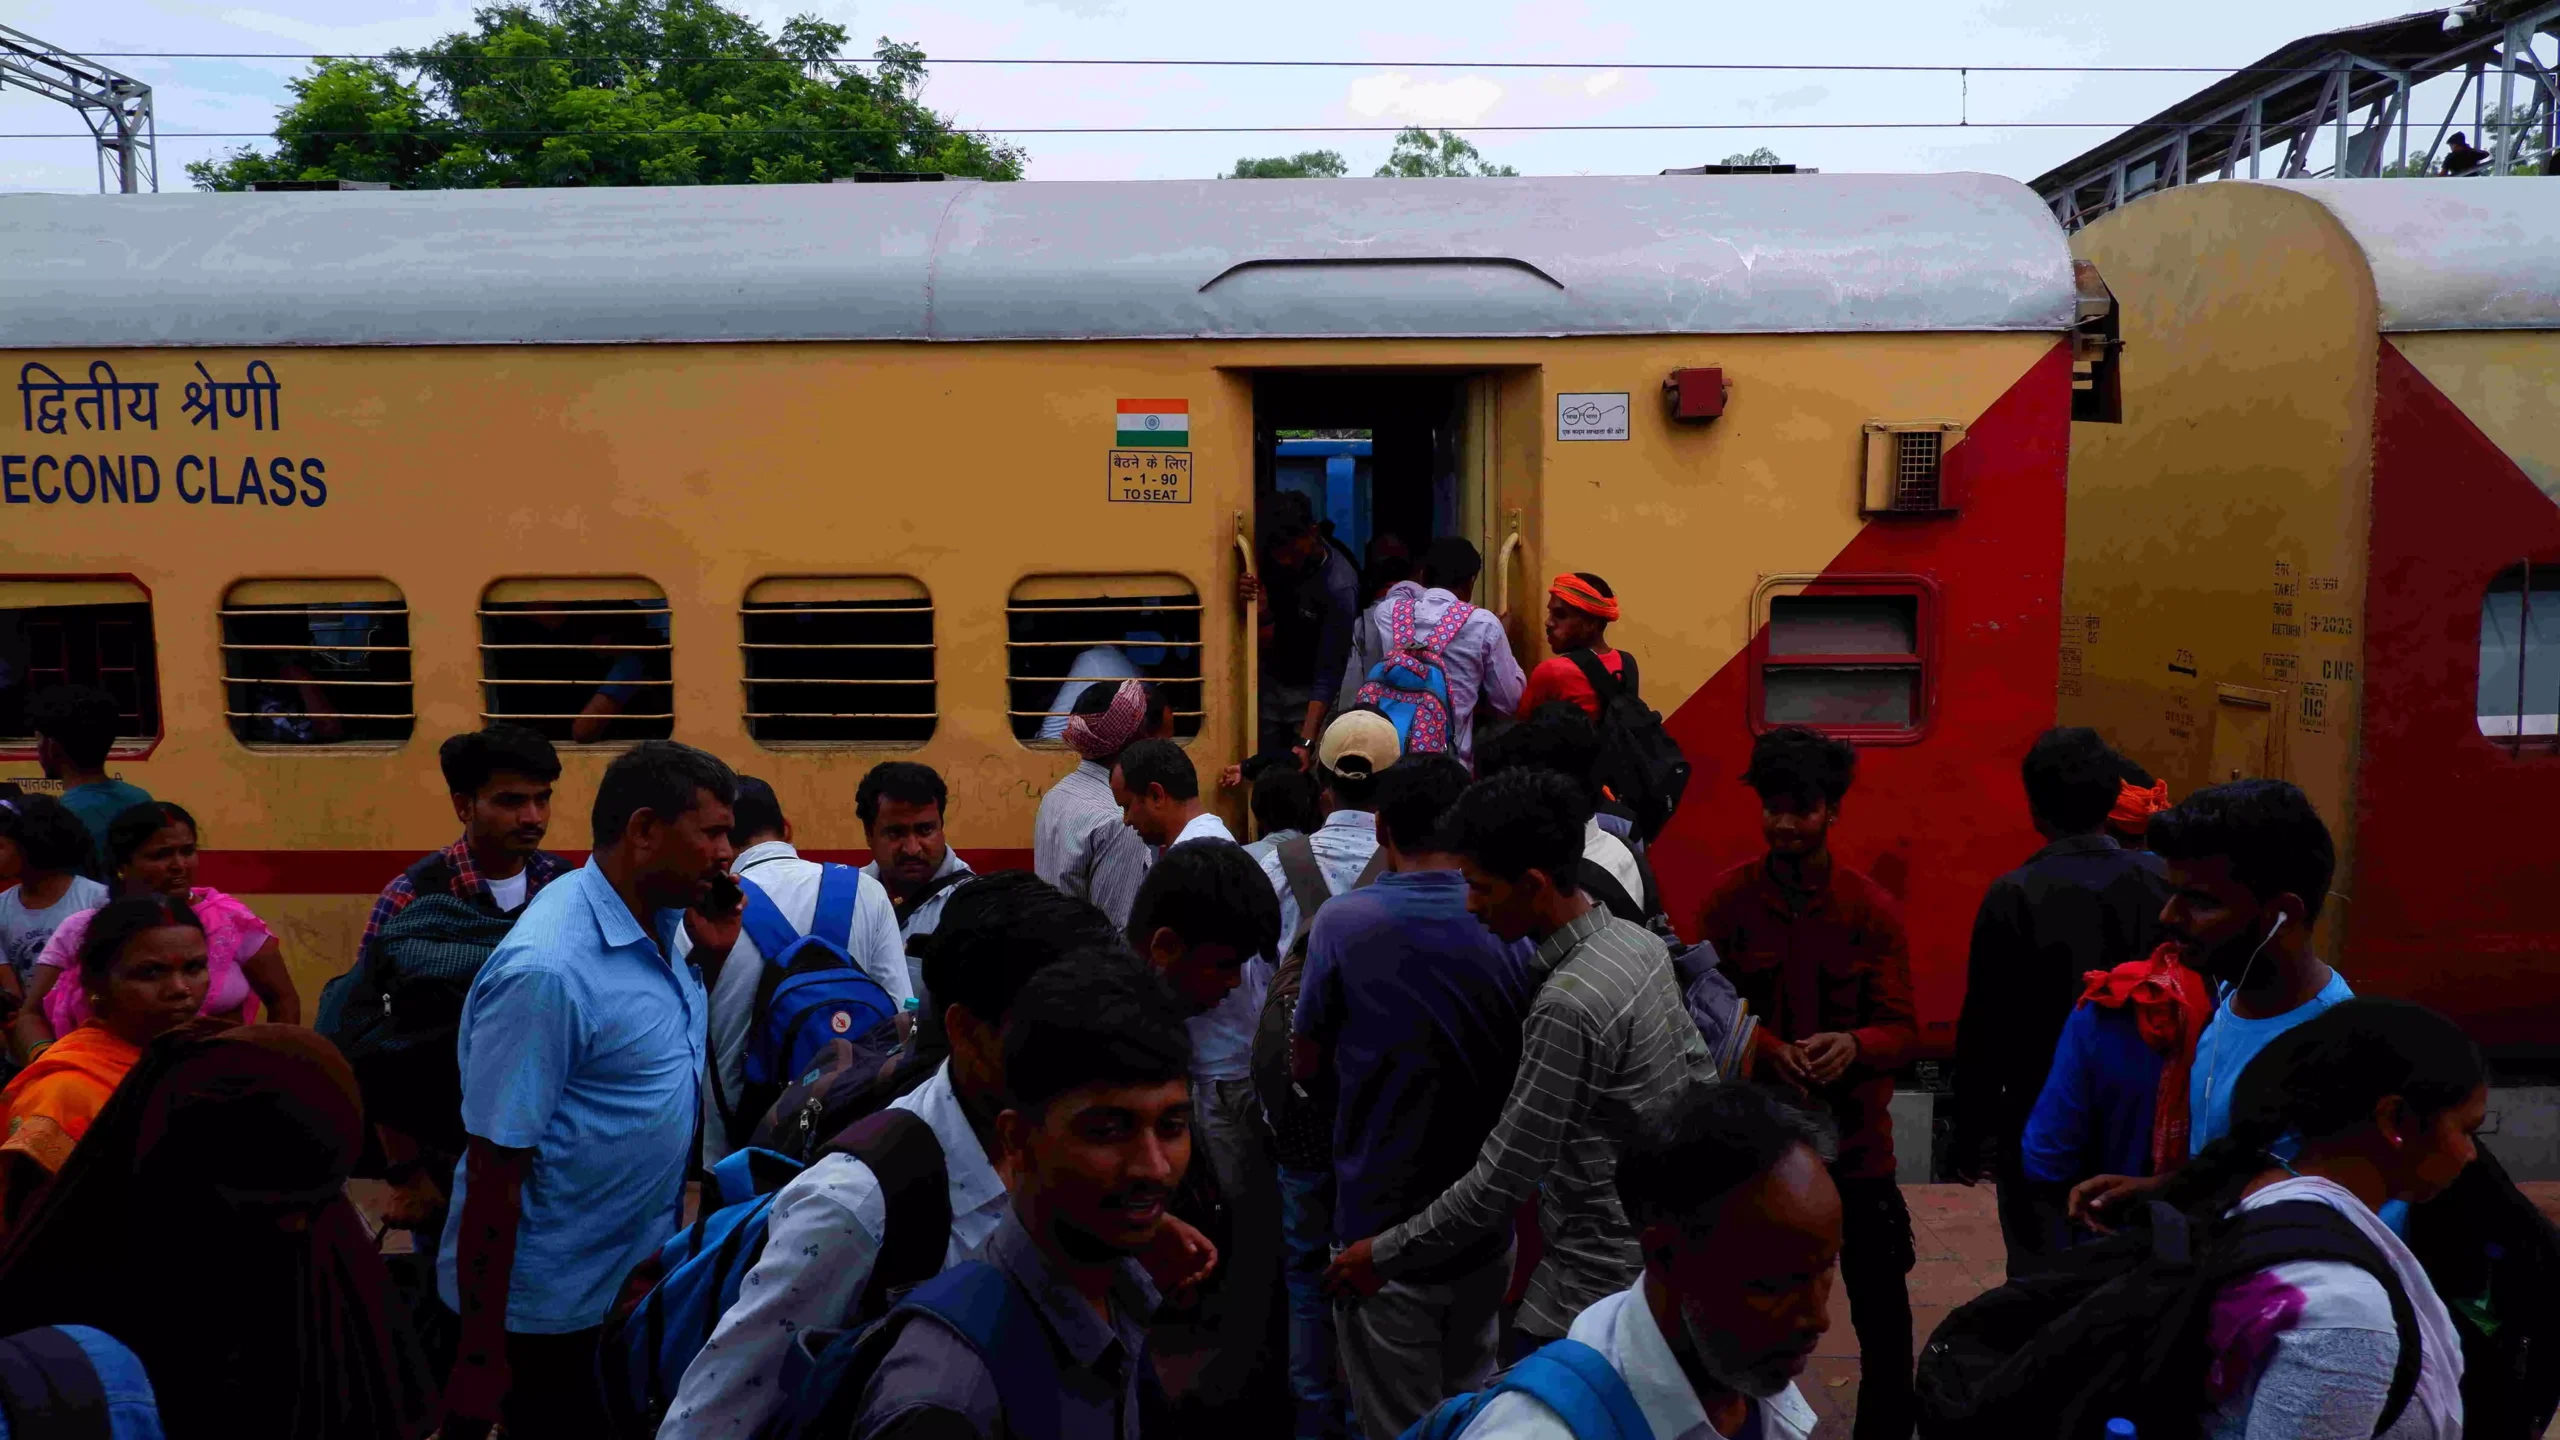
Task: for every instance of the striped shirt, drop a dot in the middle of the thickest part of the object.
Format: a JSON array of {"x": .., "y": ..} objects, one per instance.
[{"x": 1606, "y": 1038}]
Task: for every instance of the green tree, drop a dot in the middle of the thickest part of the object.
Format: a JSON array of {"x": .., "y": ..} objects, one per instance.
[
  {"x": 1305, "y": 165},
  {"x": 1421, "y": 155},
  {"x": 1761, "y": 156},
  {"x": 613, "y": 92}
]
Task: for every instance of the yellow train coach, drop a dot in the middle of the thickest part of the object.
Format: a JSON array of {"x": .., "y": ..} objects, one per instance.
[{"x": 812, "y": 476}]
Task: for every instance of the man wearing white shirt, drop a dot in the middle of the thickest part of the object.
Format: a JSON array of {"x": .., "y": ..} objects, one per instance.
[
  {"x": 1740, "y": 1225},
  {"x": 1079, "y": 840},
  {"x": 1159, "y": 795},
  {"x": 828, "y": 1224},
  {"x": 1207, "y": 920},
  {"x": 1478, "y": 663},
  {"x": 767, "y": 859}
]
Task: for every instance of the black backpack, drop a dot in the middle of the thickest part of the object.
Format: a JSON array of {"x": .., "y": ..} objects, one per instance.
[
  {"x": 2495, "y": 1262},
  {"x": 1300, "y": 1112},
  {"x": 1639, "y": 761},
  {"x": 2117, "y": 1329},
  {"x": 397, "y": 1014}
]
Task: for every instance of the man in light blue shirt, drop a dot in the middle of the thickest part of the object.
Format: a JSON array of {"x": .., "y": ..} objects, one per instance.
[
  {"x": 582, "y": 1047},
  {"x": 2249, "y": 867}
]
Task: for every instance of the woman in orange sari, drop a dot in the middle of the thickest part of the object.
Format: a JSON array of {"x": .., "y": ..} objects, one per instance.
[{"x": 143, "y": 971}]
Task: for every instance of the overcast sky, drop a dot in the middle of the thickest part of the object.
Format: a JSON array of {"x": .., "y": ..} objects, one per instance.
[{"x": 236, "y": 95}]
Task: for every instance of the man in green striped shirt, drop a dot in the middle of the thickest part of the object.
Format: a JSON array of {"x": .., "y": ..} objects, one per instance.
[{"x": 1606, "y": 1040}]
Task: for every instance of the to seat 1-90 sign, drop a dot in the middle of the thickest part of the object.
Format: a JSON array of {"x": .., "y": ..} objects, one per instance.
[{"x": 1150, "y": 477}]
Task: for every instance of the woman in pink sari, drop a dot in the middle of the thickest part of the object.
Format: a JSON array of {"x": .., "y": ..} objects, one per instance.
[{"x": 154, "y": 849}]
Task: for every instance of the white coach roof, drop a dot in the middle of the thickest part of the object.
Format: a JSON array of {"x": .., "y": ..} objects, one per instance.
[
  {"x": 2476, "y": 253},
  {"x": 967, "y": 260}
]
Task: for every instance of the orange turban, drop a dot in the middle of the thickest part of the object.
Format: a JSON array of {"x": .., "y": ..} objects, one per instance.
[
  {"x": 1577, "y": 592},
  {"x": 2135, "y": 807}
]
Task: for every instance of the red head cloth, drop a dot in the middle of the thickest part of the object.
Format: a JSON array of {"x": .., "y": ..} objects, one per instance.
[
  {"x": 1103, "y": 735},
  {"x": 1577, "y": 592},
  {"x": 2134, "y": 807}
]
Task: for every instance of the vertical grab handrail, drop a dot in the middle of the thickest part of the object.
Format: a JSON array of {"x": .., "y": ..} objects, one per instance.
[
  {"x": 1502, "y": 569},
  {"x": 1252, "y": 647}
]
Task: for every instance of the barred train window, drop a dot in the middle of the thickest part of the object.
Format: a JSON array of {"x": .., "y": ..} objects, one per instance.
[
  {"x": 316, "y": 662},
  {"x": 838, "y": 660},
  {"x": 1065, "y": 632},
  {"x": 580, "y": 659},
  {"x": 2520, "y": 657},
  {"x": 1846, "y": 660},
  {"x": 78, "y": 632}
]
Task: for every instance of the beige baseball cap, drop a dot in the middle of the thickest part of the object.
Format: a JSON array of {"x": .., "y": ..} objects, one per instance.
[{"x": 1358, "y": 745}]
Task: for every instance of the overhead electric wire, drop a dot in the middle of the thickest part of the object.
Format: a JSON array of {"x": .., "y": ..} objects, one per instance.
[
  {"x": 1255, "y": 63},
  {"x": 688, "y": 131}
]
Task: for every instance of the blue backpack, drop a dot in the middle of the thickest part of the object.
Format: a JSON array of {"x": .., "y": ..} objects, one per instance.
[
  {"x": 1566, "y": 1376},
  {"x": 1411, "y": 686},
  {"x": 827, "y": 1370},
  {"x": 811, "y": 991},
  {"x": 672, "y": 1301}
]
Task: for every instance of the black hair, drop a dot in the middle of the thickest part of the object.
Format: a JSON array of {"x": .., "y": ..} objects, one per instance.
[
  {"x": 904, "y": 781},
  {"x": 2130, "y": 771},
  {"x": 471, "y": 758},
  {"x": 1282, "y": 517},
  {"x": 1708, "y": 1141},
  {"x": 662, "y": 777},
  {"x": 1521, "y": 821},
  {"x": 1209, "y": 892},
  {"x": 1414, "y": 796},
  {"x": 50, "y": 837},
  {"x": 82, "y": 719},
  {"x": 1450, "y": 563},
  {"x": 133, "y": 827},
  {"x": 2268, "y": 829},
  {"x": 1096, "y": 1017},
  {"x": 1285, "y": 798},
  {"x": 118, "y": 921},
  {"x": 1793, "y": 762},
  {"x": 1556, "y": 736},
  {"x": 2072, "y": 779},
  {"x": 1159, "y": 762},
  {"x": 754, "y": 811},
  {"x": 998, "y": 931},
  {"x": 2322, "y": 1079},
  {"x": 1383, "y": 572}
]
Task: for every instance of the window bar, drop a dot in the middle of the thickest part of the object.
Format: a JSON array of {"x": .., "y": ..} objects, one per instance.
[{"x": 2524, "y": 646}]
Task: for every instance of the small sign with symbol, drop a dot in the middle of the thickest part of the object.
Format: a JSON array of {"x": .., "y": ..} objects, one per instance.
[{"x": 1598, "y": 415}]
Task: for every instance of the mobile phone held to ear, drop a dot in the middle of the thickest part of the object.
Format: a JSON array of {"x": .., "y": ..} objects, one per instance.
[{"x": 724, "y": 897}]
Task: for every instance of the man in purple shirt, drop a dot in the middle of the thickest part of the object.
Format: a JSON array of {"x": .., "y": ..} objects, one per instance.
[
  {"x": 1478, "y": 663},
  {"x": 1417, "y": 1007}
]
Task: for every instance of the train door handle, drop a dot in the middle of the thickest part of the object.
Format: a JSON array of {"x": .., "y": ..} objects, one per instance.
[
  {"x": 1502, "y": 568},
  {"x": 1252, "y": 645}
]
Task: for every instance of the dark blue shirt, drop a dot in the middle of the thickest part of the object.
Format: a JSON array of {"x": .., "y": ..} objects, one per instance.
[
  {"x": 2095, "y": 1113},
  {"x": 1421, "y": 1007}
]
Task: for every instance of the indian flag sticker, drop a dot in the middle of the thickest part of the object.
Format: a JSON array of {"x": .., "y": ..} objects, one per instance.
[{"x": 1162, "y": 423}]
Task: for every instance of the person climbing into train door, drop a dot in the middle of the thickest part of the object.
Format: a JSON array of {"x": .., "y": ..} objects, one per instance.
[
  {"x": 1306, "y": 600},
  {"x": 1818, "y": 950},
  {"x": 1473, "y": 661},
  {"x": 1079, "y": 840}
]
